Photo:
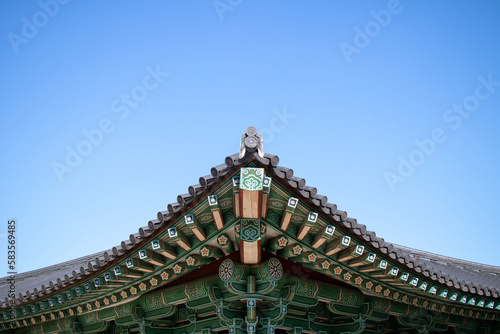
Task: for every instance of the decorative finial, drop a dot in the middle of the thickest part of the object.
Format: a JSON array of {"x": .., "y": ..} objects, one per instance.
[{"x": 251, "y": 141}]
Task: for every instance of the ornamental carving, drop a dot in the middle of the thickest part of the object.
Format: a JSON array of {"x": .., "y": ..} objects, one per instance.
[
  {"x": 348, "y": 298},
  {"x": 154, "y": 301},
  {"x": 205, "y": 217},
  {"x": 275, "y": 269},
  {"x": 298, "y": 218},
  {"x": 272, "y": 270},
  {"x": 226, "y": 270},
  {"x": 225, "y": 203},
  {"x": 195, "y": 290},
  {"x": 252, "y": 179},
  {"x": 90, "y": 318},
  {"x": 250, "y": 230},
  {"x": 277, "y": 204},
  {"x": 123, "y": 310},
  {"x": 64, "y": 324},
  {"x": 382, "y": 305},
  {"x": 307, "y": 288}
]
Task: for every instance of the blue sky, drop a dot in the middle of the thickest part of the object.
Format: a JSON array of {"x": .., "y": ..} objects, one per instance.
[{"x": 391, "y": 109}]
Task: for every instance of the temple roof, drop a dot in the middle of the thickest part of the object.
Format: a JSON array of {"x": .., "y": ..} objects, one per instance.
[
  {"x": 466, "y": 275},
  {"x": 476, "y": 284}
]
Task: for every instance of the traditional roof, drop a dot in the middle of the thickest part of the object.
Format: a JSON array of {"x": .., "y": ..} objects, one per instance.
[{"x": 297, "y": 223}]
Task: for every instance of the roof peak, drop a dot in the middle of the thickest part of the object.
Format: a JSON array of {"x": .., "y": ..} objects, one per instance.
[{"x": 251, "y": 141}]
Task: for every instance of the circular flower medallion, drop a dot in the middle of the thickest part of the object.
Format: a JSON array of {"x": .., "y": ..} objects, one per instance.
[
  {"x": 226, "y": 269},
  {"x": 275, "y": 268}
]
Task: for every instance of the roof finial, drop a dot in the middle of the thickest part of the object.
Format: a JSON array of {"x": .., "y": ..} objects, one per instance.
[{"x": 251, "y": 141}]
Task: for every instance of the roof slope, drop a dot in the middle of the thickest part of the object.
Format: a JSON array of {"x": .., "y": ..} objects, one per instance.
[{"x": 456, "y": 272}]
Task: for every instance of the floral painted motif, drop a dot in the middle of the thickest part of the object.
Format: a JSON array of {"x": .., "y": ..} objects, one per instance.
[
  {"x": 282, "y": 242},
  {"x": 297, "y": 250},
  {"x": 222, "y": 240},
  {"x": 205, "y": 252}
]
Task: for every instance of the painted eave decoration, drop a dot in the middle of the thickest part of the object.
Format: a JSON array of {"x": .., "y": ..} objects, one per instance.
[{"x": 252, "y": 249}]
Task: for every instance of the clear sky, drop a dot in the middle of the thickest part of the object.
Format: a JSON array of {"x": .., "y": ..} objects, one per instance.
[{"x": 109, "y": 110}]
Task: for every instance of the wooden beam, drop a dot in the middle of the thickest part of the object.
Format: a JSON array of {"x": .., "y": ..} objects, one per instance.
[
  {"x": 289, "y": 210},
  {"x": 367, "y": 258},
  {"x": 337, "y": 245},
  {"x": 195, "y": 227},
  {"x": 277, "y": 243},
  {"x": 350, "y": 253},
  {"x": 389, "y": 273},
  {"x": 179, "y": 238},
  {"x": 250, "y": 242},
  {"x": 250, "y": 203},
  {"x": 225, "y": 243},
  {"x": 376, "y": 266},
  {"x": 251, "y": 186},
  {"x": 306, "y": 257},
  {"x": 322, "y": 237},
  {"x": 151, "y": 257},
  {"x": 211, "y": 251},
  {"x": 164, "y": 249},
  {"x": 266, "y": 189},
  {"x": 140, "y": 265},
  {"x": 307, "y": 224},
  {"x": 196, "y": 260},
  {"x": 101, "y": 284},
  {"x": 250, "y": 252},
  {"x": 111, "y": 279},
  {"x": 216, "y": 213},
  {"x": 236, "y": 196},
  {"x": 290, "y": 251},
  {"x": 125, "y": 275}
]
